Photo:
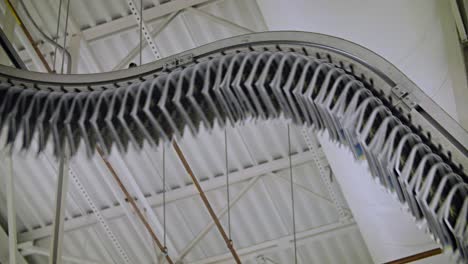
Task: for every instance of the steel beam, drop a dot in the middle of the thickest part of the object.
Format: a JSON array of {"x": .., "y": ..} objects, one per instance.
[
  {"x": 143, "y": 29},
  {"x": 220, "y": 20},
  {"x": 220, "y": 214},
  {"x": 174, "y": 195},
  {"x": 151, "y": 15},
  {"x": 101, "y": 220},
  {"x": 457, "y": 17},
  {"x": 154, "y": 222},
  {"x": 75, "y": 46},
  {"x": 28, "y": 35},
  {"x": 311, "y": 193},
  {"x": 8, "y": 24},
  {"x": 35, "y": 250},
  {"x": 457, "y": 53},
  {"x": 134, "y": 205},
  {"x": 30, "y": 51},
  {"x": 313, "y": 145},
  {"x": 205, "y": 200},
  {"x": 122, "y": 201},
  {"x": 285, "y": 242},
  {"x": 10, "y": 51},
  {"x": 154, "y": 33}
]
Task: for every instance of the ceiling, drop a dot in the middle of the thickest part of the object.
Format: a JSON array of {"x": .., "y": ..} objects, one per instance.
[{"x": 100, "y": 225}]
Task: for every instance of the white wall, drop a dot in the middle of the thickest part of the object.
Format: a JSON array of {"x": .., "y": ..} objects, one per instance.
[
  {"x": 388, "y": 230},
  {"x": 417, "y": 36},
  {"x": 407, "y": 33}
]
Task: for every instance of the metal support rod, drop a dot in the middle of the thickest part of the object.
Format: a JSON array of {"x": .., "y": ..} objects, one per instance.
[
  {"x": 60, "y": 204},
  {"x": 12, "y": 248},
  {"x": 205, "y": 201},
  {"x": 415, "y": 257},
  {"x": 227, "y": 185},
  {"x": 28, "y": 35},
  {"x": 134, "y": 205},
  {"x": 292, "y": 196}
]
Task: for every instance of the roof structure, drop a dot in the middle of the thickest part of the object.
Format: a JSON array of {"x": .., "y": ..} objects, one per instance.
[{"x": 101, "y": 226}]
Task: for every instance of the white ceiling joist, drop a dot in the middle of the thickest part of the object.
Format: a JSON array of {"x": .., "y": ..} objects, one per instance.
[
  {"x": 220, "y": 214},
  {"x": 285, "y": 242},
  {"x": 134, "y": 52},
  {"x": 29, "y": 249},
  {"x": 150, "y": 15},
  {"x": 220, "y": 20},
  {"x": 173, "y": 195}
]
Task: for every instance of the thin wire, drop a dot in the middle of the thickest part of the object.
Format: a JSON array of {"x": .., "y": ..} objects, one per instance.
[
  {"x": 57, "y": 32},
  {"x": 292, "y": 196},
  {"x": 141, "y": 29},
  {"x": 164, "y": 194},
  {"x": 227, "y": 183},
  {"x": 65, "y": 36}
]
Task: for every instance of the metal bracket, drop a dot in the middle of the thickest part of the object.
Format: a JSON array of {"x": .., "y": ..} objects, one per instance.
[
  {"x": 405, "y": 96},
  {"x": 178, "y": 61},
  {"x": 400, "y": 91}
]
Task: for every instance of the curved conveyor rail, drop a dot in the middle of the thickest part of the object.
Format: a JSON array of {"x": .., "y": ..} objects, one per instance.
[{"x": 413, "y": 147}]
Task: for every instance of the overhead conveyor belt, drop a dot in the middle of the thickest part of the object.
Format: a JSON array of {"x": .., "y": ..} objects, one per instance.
[{"x": 412, "y": 146}]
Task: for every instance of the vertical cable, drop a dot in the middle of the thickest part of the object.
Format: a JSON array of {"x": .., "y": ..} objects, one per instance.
[
  {"x": 227, "y": 184},
  {"x": 141, "y": 29},
  {"x": 65, "y": 36},
  {"x": 164, "y": 195},
  {"x": 57, "y": 32},
  {"x": 292, "y": 195}
]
